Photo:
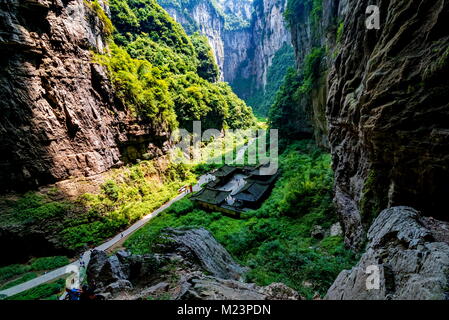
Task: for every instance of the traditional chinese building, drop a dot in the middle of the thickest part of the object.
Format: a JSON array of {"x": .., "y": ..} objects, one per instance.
[{"x": 236, "y": 189}]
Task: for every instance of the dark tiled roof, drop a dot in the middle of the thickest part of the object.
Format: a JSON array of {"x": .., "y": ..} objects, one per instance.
[
  {"x": 252, "y": 192},
  {"x": 224, "y": 171},
  {"x": 256, "y": 170},
  {"x": 211, "y": 196}
]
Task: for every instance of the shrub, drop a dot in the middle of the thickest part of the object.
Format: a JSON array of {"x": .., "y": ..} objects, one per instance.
[
  {"x": 48, "y": 263},
  {"x": 10, "y": 271},
  {"x": 44, "y": 291},
  {"x": 33, "y": 206},
  {"x": 26, "y": 277}
]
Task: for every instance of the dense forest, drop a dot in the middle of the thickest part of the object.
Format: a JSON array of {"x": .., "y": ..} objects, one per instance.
[{"x": 165, "y": 76}]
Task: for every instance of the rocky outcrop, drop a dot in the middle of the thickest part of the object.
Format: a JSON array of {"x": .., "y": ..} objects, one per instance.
[
  {"x": 60, "y": 118},
  {"x": 189, "y": 265},
  {"x": 270, "y": 34},
  {"x": 208, "y": 288},
  {"x": 210, "y": 255},
  {"x": 311, "y": 31},
  {"x": 405, "y": 252}
]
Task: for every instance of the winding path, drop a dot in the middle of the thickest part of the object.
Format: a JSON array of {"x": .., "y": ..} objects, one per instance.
[
  {"x": 58, "y": 273},
  {"x": 66, "y": 270}
]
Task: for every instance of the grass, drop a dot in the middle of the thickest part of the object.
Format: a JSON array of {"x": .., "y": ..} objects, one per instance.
[
  {"x": 22, "y": 279},
  {"x": 274, "y": 241},
  {"x": 19, "y": 273},
  {"x": 46, "y": 291},
  {"x": 48, "y": 263}
]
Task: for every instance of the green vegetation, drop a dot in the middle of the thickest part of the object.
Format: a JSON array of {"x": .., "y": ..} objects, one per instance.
[
  {"x": 274, "y": 241},
  {"x": 46, "y": 291},
  {"x": 164, "y": 76},
  {"x": 262, "y": 100},
  {"x": 12, "y": 270},
  {"x": 24, "y": 278},
  {"x": 311, "y": 70},
  {"x": 285, "y": 106},
  {"x": 131, "y": 193},
  {"x": 207, "y": 68},
  {"x": 291, "y": 101},
  {"x": 340, "y": 30},
  {"x": 95, "y": 6},
  {"x": 16, "y": 274},
  {"x": 297, "y": 10},
  {"x": 49, "y": 263},
  {"x": 33, "y": 207}
]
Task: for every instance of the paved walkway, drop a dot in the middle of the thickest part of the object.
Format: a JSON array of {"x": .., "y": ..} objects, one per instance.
[{"x": 58, "y": 273}]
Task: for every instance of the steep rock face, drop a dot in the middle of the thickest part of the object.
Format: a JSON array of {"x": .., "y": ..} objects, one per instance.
[
  {"x": 309, "y": 33},
  {"x": 237, "y": 63},
  {"x": 178, "y": 271},
  {"x": 245, "y": 51},
  {"x": 412, "y": 264},
  {"x": 59, "y": 116},
  {"x": 241, "y": 9},
  {"x": 270, "y": 34},
  {"x": 388, "y": 112},
  {"x": 202, "y": 16},
  {"x": 380, "y": 104}
]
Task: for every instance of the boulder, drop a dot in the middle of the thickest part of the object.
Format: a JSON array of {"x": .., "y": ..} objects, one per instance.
[
  {"x": 402, "y": 262},
  {"x": 103, "y": 270},
  {"x": 211, "y": 288},
  {"x": 199, "y": 245},
  {"x": 119, "y": 286},
  {"x": 279, "y": 291}
]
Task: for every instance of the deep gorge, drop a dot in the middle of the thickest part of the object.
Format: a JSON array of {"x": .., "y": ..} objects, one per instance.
[{"x": 90, "y": 91}]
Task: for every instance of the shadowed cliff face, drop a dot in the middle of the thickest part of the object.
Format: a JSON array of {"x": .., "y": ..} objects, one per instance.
[
  {"x": 383, "y": 110},
  {"x": 388, "y": 111},
  {"x": 59, "y": 118}
]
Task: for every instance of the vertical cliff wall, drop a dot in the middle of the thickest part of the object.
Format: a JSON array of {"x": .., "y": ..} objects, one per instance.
[
  {"x": 270, "y": 34},
  {"x": 201, "y": 16},
  {"x": 388, "y": 111},
  {"x": 381, "y": 99},
  {"x": 245, "y": 36},
  {"x": 59, "y": 117}
]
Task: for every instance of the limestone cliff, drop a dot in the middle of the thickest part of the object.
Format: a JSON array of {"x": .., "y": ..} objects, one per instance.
[
  {"x": 201, "y": 16},
  {"x": 244, "y": 34},
  {"x": 59, "y": 117},
  {"x": 269, "y": 36},
  {"x": 388, "y": 111},
  {"x": 380, "y": 104}
]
